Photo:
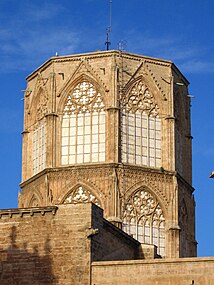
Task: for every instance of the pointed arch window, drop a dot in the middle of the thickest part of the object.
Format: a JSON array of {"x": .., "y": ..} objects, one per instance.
[
  {"x": 83, "y": 126},
  {"x": 141, "y": 128},
  {"x": 39, "y": 146},
  {"x": 143, "y": 219}
]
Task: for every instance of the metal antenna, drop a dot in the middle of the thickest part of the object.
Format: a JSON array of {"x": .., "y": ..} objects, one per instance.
[{"x": 109, "y": 29}]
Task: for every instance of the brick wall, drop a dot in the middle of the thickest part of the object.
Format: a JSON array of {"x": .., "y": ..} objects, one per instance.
[{"x": 184, "y": 271}]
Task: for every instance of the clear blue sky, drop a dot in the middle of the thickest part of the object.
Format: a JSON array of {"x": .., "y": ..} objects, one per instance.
[{"x": 182, "y": 31}]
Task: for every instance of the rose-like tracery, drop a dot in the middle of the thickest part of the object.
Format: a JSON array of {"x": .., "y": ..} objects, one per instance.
[
  {"x": 81, "y": 195},
  {"x": 141, "y": 99},
  {"x": 83, "y": 98}
]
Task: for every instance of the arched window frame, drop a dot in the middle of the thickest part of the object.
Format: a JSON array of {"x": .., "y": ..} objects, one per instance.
[
  {"x": 83, "y": 125},
  {"x": 143, "y": 218},
  {"x": 141, "y": 127},
  {"x": 39, "y": 146}
]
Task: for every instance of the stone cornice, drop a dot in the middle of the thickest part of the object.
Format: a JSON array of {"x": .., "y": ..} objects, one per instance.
[
  {"x": 100, "y": 54},
  {"x": 155, "y": 261},
  {"x": 98, "y": 166},
  {"x": 27, "y": 211}
]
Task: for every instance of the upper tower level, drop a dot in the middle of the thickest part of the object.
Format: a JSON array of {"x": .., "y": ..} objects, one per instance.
[{"x": 107, "y": 107}]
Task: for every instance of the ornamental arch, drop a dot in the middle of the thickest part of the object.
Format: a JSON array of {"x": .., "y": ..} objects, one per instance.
[
  {"x": 144, "y": 218},
  {"x": 83, "y": 124},
  {"x": 35, "y": 199},
  {"x": 80, "y": 194},
  {"x": 141, "y": 130}
]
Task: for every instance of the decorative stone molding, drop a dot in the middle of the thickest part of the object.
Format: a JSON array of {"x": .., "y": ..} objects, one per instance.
[{"x": 28, "y": 211}]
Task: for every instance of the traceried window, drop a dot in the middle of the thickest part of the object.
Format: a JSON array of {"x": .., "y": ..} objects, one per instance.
[
  {"x": 144, "y": 220},
  {"x": 141, "y": 128},
  {"x": 39, "y": 146},
  {"x": 83, "y": 126}
]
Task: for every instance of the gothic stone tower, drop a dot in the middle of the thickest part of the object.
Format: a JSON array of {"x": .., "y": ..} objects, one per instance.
[{"x": 113, "y": 128}]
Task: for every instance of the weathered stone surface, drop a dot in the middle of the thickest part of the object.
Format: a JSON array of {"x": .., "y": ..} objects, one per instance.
[{"x": 169, "y": 271}]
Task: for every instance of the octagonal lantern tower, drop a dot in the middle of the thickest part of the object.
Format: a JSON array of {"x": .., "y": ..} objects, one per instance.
[{"x": 113, "y": 128}]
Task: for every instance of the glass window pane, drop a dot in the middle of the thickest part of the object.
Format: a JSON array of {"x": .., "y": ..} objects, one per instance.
[
  {"x": 95, "y": 138},
  {"x": 72, "y": 140},
  {"x": 158, "y": 144},
  {"x": 95, "y": 157},
  {"x": 73, "y": 121},
  {"x": 94, "y": 148},
  {"x": 64, "y": 159},
  {"x": 102, "y": 138},
  {"x": 65, "y": 132},
  {"x": 65, "y": 141},
  {"x": 138, "y": 160},
  {"x": 138, "y": 150},
  {"x": 94, "y": 119},
  {"x": 79, "y": 158},
  {"x": 87, "y": 148},
  {"x": 158, "y": 124},
  {"x": 95, "y": 129},
  {"x": 80, "y": 120},
  {"x": 64, "y": 150},
  {"x": 71, "y": 159},
  {"x": 72, "y": 150},
  {"x": 87, "y": 139},
  {"x": 87, "y": 130},
  {"x": 87, "y": 119},
  {"x": 86, "y": 157},
  {"x": 65, "y": 123},
  {"x": 102, "y": 129},
  {"x": 102, "y": 156},
  {"x": 80, "y": 131},
  {"x": 102, "y": 147},
  {"x": 80, "y": 140}
]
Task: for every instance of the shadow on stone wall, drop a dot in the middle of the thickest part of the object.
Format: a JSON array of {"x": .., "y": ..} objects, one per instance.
[{"x": 19, "y": 266}]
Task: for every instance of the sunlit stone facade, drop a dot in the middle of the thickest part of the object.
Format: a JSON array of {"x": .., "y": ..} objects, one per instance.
[{"x": 113, "y": 128}]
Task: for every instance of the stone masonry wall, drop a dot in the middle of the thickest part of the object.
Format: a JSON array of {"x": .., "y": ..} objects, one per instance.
[
  {"x": 45, "y": 246},
  {"x": 183, "y": 271},
  {"x": 55, "y": 245},
  {"x": 111, "y": 243}
]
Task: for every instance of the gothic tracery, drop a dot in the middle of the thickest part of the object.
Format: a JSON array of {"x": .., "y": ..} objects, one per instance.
[
  {"x": 141, "y": 127},
  {"x": 141, "y": 99},
  {"x": 81, "y": 195},
  {"x": 144, "y": 219},
  {"x": 83, "y": 125}
]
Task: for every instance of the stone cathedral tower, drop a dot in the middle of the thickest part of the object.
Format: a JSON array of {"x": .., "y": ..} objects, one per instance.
[{"x": 113, "y": 128}]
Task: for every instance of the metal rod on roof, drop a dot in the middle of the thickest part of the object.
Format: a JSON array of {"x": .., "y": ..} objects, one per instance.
[{"x": 109, "y": 29}]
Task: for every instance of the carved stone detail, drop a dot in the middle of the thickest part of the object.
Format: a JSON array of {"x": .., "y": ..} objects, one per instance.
[
  {"x": 142, "y": 203},
  {"x": 84, "y": 99},
  {"x": 81, "y": 195},
  {"x": 42, "y": 105},
  {"x": 141, "y": 99}
]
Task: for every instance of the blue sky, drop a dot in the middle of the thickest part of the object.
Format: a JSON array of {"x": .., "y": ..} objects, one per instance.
[{"x": 181, "y": 31}]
